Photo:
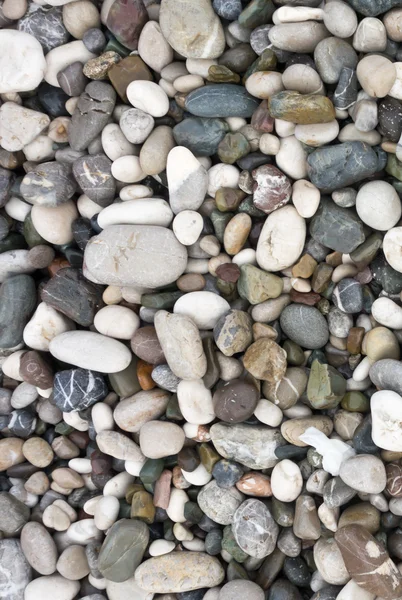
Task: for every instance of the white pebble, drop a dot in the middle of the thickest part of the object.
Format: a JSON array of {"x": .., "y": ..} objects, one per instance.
[
  {"x": 117, "y": 322},
  {"x": 195, "y": 402},
  {"x": 128, "y": 169},
  {"x": 160, "y": 547},
  {"x": 378, "y": 205},
  {"x": 286, "y": 481},
  {"x": 200, "y": 476},
  {"x": 175, "y": 510},
  {"x": 187, "y": 226},
  {"x": 204, "y": 308},
  {"x": 268, "y": 413},
  {"x": 306, "y": 198},
  {"x": 102, "y": 417},
  {"x": 222, "y": 175},
  {"x": 106, "y": 512},
  {"x": 149, "y": 97}
]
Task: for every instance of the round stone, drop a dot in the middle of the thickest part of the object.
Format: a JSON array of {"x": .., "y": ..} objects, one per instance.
[
  {"x": 219, "y": 504},
  {"x": 305, "y": 325},
  {"x": 235, "y": 401},
  {"x": 367, "y": 203},
  {"x": 241, "y": 588},
  {"x": 22, "y": 64},
  {"x": 286, "y": 481}
]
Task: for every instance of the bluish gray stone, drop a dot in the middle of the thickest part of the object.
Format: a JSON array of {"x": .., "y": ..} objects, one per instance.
[
  {"x": 94, "y": 176},
  {"x": 227, "y": 9},
  {"x": 336, "y": 227},
  {"x": 372, "y": 8},
  {"x": 346, "y": 90},
  {"x": 6, "y": 182},
  {"x": 331, "y": 55},
  {"x": 386, "y": 374},
  {"x": 221, "y": 100},
  {"x": 49, "y": 184},
  {"x": 348, "y": 296},
  {"x": 92, "y": 113},
  {"x": 17, "y": 303},
  {"x": 304, "y": 325},
  {"x": 15, "y": 572},
  {"x": 22, "y": 423},
  {"x": 334, "y": 167},
  {"x": 14, "y": 515},
  {"x": 201, "y": 136}
]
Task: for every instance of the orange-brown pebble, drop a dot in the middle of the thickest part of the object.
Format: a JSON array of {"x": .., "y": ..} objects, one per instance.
[
  {"x": 144, "y": 371},
  {"x": 304, "y": 267},
  {"x": 255, "y": 484},
  {"x": 334, "y": 259},
  {"x": 236, "y": 233},
  {"x": 261, "y": 330},
  {"x": 355, "y": 339}
]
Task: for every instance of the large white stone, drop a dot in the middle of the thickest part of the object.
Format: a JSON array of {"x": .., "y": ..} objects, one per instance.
[
  {"x": 378, "y": 205},
  {"x": 19, "y": 125},
  {"x": 90, "y": 350},
  {"x": 51, "y": 587},
  {"x": 149, "y": 97},
  {"x": 387, "y": 312},
  {"x": 54, "y": 224},
  {"x": 286, "y": 481},
  {"x": 386, "y": 412},
  {"x": 204, "y": 308},
  {"x": 392, "y": 247},
  {"x": 281, "y": 240},
  {"x": 22, "y": 64},
  {"x": 117, "y": 322}
]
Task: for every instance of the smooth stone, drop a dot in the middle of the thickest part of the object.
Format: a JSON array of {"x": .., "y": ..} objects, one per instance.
[
  {"x": 331, "y": 55},
  {"x": 366, "y": 200},
  {"x": 385, "y": 374},
  {"x": 360, "y": 549},
  {"x": 46, "y": 25},
  {"x": 78, "y": 389},
  {"x": 181, "y": 344},
  {"x": 179, "y": 572},
  {"x": 187, "y": 179},
  {"x": 233, "y": 332},
  {"x": 305, "y": 325},
  {"x": 49, "y": 586},
  {"x": 364, "y": 473},
  {"x": 303, "y": 109},
  {"x": 219, "y": 504},
  {"x": 60, "y": 57},
  {"x": 159, "y": 439},
  {"x": 338, "y": 166},
  {"x": 39, "y": 548},
  {"x": 272, "y": 188},
  {"x": 348, "y": 296},
  {"x": 386, "y": 406},
  {"x": 297, "y": 37},
  {"x": 92, "y": 113},
  {"x": 376, "y": 75},
  {"x": 254, "y": 528},
  {"x": 123, "y": 549},
  {"x": 221, "y": 100},
  {"x": 139, "y": 267},
  {"x": 114, "y": 142},
  {"x": 155, "y": 150},
  {"x": 15, "y": 514},
  {"x": 89, "y": 350},
  {"x": 71, "y": 294},
  {"x": 44, "y": 325},
  {"x": 391, "y": 247},
  {"x": 293, "y": 429},
  {"x": 347, "y": 235},
  {"x": 136, "y": 125},
  {"x": 49, "y": 185},
  {"x": 72, "y": 563},
  {"x": 17, "y": 302},
  {"x": 150, "y": 211},
  {"x": 125, "y": 20},
  {"x": 204, "y": 308},
  {"x": 16, "y": 572},
  {"x": 251, "y": 446},
  {"x": 329, "y": 562},
  {"x": 200, "y": 136},
  {"x": 22, "y": 63},
  {"x": 238, "y": 588},
  {"x": 146, "y": 346},
  {"x": 130, "y": 68},
  {"x": 94, "y": 176},
  {"x": 19, "y": 125},
  {"x": 284, "y": 228},
  {"x": 266, "y": 360},
  {"x": 149, "y": 97},
  {"x": 326, "y": 386},
  {"x": 193, "y": 31},
  {"x": 153, "y": 47},
  {"x": 363, "y": 514},
  {"x": 235, "y": 401}
]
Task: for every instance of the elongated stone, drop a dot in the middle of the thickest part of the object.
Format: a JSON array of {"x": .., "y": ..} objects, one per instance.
[
  {"x": 254, "y": 528},
  {"x": 17, "y": 303},
  {"x": 368, "y": 562},
  {"x": 123, "y": 549},
  {"x": 179, "y": 572},
  {"x": 303, "y": 109},
  {"x": 135, "y": 255},
  {"x": 221, "y": 100}
]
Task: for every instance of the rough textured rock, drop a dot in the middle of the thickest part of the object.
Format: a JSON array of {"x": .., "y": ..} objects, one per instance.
[{"x": 254, "y": 529}]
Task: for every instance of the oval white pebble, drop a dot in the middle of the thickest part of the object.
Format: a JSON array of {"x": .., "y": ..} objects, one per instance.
[
  {"x": 117, "y": 322},
  {"x": 286, "y": 481},
  {"x": 378, "y": 205},
  {"x": 204, "y": 308},
  {"x": 150, "y": 211},
  {"x": 106, "y": 512},
  {"x": 160, "y": 547},
  {"x": 187, "y": 226},
  {"x": 128, "y": 169},
  {"x": 149, "y": 97}
]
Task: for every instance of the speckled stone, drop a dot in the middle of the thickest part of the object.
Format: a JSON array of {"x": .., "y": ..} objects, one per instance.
[
  {"x": 77, "y": 389},
  {"x": 15, "y": 573},
  {"x": 305, "y": 325},
  {"x": 46, "y": 25},
  {"x": 17, "y": 303},
  {"x": 94, "y": 176},
  {"x": 254, "y": 528},
  {"x": 221, "y": 100}
]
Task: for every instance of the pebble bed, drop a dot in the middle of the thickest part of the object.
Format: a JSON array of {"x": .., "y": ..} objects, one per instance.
[{"x": 200, "y": 300}]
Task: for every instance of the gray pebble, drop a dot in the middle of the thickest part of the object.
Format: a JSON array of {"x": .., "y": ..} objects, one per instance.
[
  {"x": 92, "y": 113},
  {"x": 94, "y": 176}
]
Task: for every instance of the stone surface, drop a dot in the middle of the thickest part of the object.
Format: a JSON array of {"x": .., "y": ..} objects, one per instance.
[
  {"x": 78, "y": 389},
  {"x": 123, "y": 549},
  {"x": 305, "y": 325},
  {"x": 146, "y": 249},
  {"x": 17, "y": 302},
  {"x": 16, "y": 572},
  {"x": 94, "y": 107},
  {"x": 221, "y": 100},
  {"x": 254, "y": 528},
  {"x": 252, "y": 446},
  {"x": 39, "y": 548},
  {"x": 19, "y": 125},
  {"x": 235, "y": 401},
  {"x": 219, "y": 504},
  {"x": 348, "y": 233},
  {"x": 22, "y": 64}
]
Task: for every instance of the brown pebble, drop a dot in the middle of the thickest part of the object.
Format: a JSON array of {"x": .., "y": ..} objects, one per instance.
[
  {"x": 162, "y": 489},
  {"x": 394, "y": 479},
  {"x": 261, "y": 330},
  {"x": 144, "y": 371},
  {"x": 236, "y": 233},
  {"x": 191, "y": 282},
  {"x": 11, "y": 453},
  {"x": 35, "y": 370},
  {"x": 355, "y": 339},
  {"x": 146, "y": 346},
  {"x": 304, "y": 268},
  {"x": 80, "y": 438},
  {"x": 255, "y": 484},
  {"x": 38, "y": 483},
  {"x": 178, "y": 479},
  {"x": 334, "y": 259},
  {"x": 38, "y": 452},
  {"x": 229, "y": 272},
  {"x": 261, "y": 119},
  {"x": 309, "y": 298},
  {"x": 321, "y": 277},
  {"x": 266, "y": 360},
  {"x": 57, "y": 264},
  {"x": 65, "y": 448}
]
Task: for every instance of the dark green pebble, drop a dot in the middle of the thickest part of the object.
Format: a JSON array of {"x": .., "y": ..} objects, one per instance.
[
  {"x": 238, "y": 59},
  {"x": 247, "y": 206},
  {"x": 151, "y": 470},
  {"x": 192, "y": 512},
  {"x": 213, "y": 542},
  {"x": 283, "y": 512},
  {"x": 290, "y": 452},
  {"x": 282, "y": 589},
  {"x": 219, "y": 221},
  {"x": 200, "y": 135},
  {"x": 162, "y": 301},
  {"x": 14, "y": 241},
  {"x": 31, "y": 235},
  {"x": 173, "y": 412},
  {"x": 231, "y": 546},
  {"x": 362, "y": 440},
  {"x": 295, "y": 354}
]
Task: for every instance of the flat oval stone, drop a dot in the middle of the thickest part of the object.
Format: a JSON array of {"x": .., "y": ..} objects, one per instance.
[
  {"x": 200, "y": 136},
  {"x": 254, "y": 529},
  {"x": 204, "y": 308},
  {"x": 340, "y": 165},
  {"x": 235, "y": 401},
  {"x": 135, "y": 255},
  {"x": 90, "y": 350},
  {"x": 49, "y": 586},
  {"x": 252, "y": 446},
  {"x": 328, "y": 560},
  {"x": 15, "y": 573},
  {"x": 305, "y": 325},
  {"x": 179, "y": 572},
  {"x": 17, "y": 302},
  {"x": 364, "y": 473},
  {"x": 368, "y": 562},
  {"x": 50, "y": 184},
  {"x": 221, "y": 100},
  {"x": 193, "y": 30},
  {"x": 386, "y": 374},
  {"x": 123, "y": 549},
  {"x": 281, "y": 239},
  {"x": 39, "y": 548}
]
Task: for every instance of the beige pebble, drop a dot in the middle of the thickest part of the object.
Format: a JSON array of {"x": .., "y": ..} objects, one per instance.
[
  {"x": 342, "y": 271},
  {"x": 376, "y": 75},
  {"x": 211, "y": 245},
  {"x": 317, "y": 134},
  {"x": 187, "y": 83},
  {"x": 14, "y": 9},
  {"x": 67, "y": 478},
  {"x": 38, "y": 452},
  {"x": 236, "y": 233},
  {"x": 302, "y": 78},
  {"x": 38, "y": 483},
  {"x": 263, "y": 84},
  {"x": 217, "y": 261},
  {"x": 269, "y": 144},
  {"x": 73, "y": 563},
  {"x": 301, "y": 285},
  {"x": 392, "y": 21},
  {"x": 55, "y": 518},
  {"x": 80, "y": 16},
  {"x": 65, "y": 507},
  {"x": 11, "y": 453},
  {"x": 306, "y": 198}
]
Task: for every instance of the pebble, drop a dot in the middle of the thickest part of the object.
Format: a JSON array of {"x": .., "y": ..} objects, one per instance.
[
  {"x": 47, "y": 586},
  {"x": 22, "y": 62},
  {"x": 19, "y": 126},
  {"x": 16, "y": 571},
  {"x": 220, "y": 100}
]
